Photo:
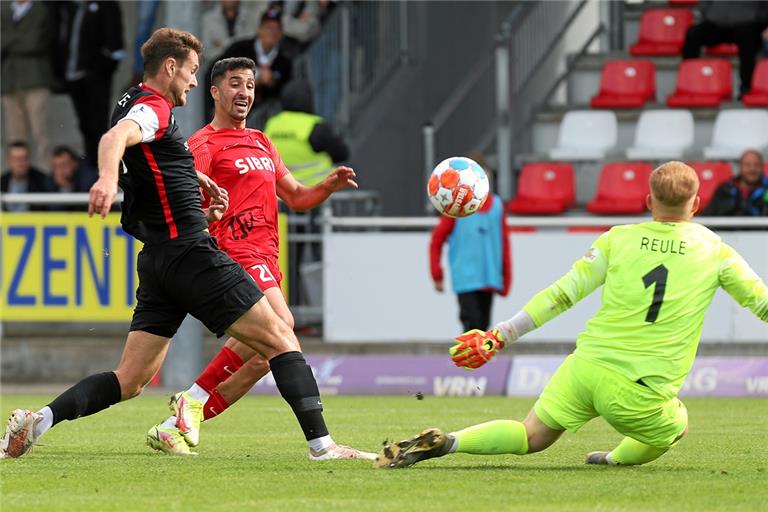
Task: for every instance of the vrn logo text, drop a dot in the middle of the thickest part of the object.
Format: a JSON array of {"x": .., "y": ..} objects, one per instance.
[{"x": 459, "y": 386}]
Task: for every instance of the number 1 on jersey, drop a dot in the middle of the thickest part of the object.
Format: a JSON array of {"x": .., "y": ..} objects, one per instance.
[{"x": 659, "y": 276}]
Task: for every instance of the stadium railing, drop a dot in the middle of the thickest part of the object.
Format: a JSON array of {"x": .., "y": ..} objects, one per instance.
[
  {"x": 360, "y": 45},
  {"x": 528, "y": 48}
]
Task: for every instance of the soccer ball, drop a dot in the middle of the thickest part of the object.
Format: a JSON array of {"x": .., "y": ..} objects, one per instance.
[{"x": 458, "y": 187}]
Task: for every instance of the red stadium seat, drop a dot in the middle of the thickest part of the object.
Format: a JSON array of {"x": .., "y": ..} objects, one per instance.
[
  {"x": 758, "y": 94},
  {"x": 682, "y": 3},
  {"x": 622, "y": 188},
  {"x": 723, "y": 50},
  {"x": 544, "y": 188},
  {"x": 626, "y": 84},
  {"x": 711, "y": 175},
  {"x": 702, "y": 83},
  {"x": 662, "y": 32}
]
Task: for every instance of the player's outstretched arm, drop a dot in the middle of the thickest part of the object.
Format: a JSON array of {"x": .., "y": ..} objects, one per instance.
[
  {"x": 300, "y": 198},
  {"x": 742, "y": 283},
  {"x": 474, "y": 348},
  {"x": 111, "y": 148}
]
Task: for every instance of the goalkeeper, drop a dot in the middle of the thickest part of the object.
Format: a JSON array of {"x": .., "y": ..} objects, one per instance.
[{"x": 659, "y": 278}]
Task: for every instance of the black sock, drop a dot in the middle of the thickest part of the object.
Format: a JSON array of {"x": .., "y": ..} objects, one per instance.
[
  {"x": 298, "y": 387},
  {"x": 89, "y": 396}
]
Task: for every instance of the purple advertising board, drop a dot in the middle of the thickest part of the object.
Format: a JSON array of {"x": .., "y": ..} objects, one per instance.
[
  {"x": 517, "y": 376},
  {"x": 399, "y": 375},
  {"x": 710, "y": 376}
]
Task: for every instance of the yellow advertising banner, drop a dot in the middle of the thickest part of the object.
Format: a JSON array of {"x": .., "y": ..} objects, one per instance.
[{"x": 68, "y": 267}]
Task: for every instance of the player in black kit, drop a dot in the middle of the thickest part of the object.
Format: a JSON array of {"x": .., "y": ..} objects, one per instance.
[{"x": 180, "y": 267}]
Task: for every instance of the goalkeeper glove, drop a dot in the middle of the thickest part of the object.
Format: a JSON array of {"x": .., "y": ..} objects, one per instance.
[{"x": 474, "y": 348}]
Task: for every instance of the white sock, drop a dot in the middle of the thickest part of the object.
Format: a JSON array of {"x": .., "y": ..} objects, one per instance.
[
  {"x": 320, "y": 443},
  {"x": 170, "y": 422},
  {"x": 46, "y": 423},
  {"x": 454, "y": 442},
  {"x": 198, "y": 393}
]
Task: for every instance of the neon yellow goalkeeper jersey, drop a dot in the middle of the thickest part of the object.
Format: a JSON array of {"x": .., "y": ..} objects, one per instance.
[{"x": 659, "y": 279}]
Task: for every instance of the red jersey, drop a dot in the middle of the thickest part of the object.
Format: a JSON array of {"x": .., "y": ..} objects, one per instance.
[{"x": 248, "y": 166}]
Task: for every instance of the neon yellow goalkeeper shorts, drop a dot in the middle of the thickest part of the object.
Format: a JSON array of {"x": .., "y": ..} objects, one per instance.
[{"x": 581, "y": 390}]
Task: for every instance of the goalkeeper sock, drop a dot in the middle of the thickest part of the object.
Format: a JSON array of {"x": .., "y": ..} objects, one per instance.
[
  {"x": 631, "y": 452},
  {"x": 493, "y": 438}
]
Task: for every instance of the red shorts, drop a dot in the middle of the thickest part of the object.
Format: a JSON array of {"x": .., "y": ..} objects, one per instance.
[{"x": 265, "y": 271}]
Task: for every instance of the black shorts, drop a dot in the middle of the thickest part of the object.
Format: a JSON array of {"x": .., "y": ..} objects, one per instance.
[{"x": 190, "y": 276}]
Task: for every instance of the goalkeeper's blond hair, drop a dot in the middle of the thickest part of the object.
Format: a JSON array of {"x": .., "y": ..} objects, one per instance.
[{"x": 674, "y": 184}]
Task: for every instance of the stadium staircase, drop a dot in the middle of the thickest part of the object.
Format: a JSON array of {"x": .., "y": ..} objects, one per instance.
[{"x": 583, "y": 83}]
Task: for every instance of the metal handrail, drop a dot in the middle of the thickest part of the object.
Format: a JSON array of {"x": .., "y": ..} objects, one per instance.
[
  {"x": 569, "y": 67},
  {"x": 507, "y": 86},
  {"x": 537, "y": 221},
  {"x": 515, "y": 115},
  {"x": 50, "y": 198}
]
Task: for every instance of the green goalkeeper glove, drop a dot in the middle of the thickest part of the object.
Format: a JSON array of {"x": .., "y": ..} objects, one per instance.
[{"x": 475, "y": 348}]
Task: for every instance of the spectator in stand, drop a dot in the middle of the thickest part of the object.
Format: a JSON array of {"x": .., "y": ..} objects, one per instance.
[
  {"x": 478, "y": 257},
  {"x": 301, "y": 24},
  {"x": 739, "y": 22},
  {"x": 306, "y": 142},
  {"x": 70, "y": 173},
  {"x": 21, "y": 177},
  {"x": 227, "y": 22},
  {"x": 89, "y": 48},
  {"x": 26, "y": 73},
  {"x": 274, "y": 67},
  {"x": 746, "y": 194},
  {"x": 765, "y": 42}
]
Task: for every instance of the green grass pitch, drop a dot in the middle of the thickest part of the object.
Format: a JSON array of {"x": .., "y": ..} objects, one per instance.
[{"x": 254, "y": 458}]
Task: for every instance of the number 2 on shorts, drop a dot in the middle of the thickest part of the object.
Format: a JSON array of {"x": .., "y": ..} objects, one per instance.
[{"x": 264, "y": 274}]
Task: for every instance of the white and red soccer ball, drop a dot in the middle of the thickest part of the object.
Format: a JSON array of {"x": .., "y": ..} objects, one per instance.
[{"x": 458, "y": 187}]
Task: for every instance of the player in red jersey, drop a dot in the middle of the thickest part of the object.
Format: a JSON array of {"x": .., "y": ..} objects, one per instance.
[{"x": 244, "y": 162}]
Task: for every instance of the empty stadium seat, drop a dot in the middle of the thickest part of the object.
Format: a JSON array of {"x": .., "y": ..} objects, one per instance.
[
  {"x": 662, "y": 135},
  {"x": 758, "y": 94},
  {"x": 711, "y": 175},
  {"x": 737, "y": 130},
  {"x": 544, "y": 188},
  {"x": 585, "y": 135},
  {"x": 621, "y": 188},
  {"x": 662, "y": 32},
  {"x": 702, "y": 83},
  {"x": 626, "y": 84}
]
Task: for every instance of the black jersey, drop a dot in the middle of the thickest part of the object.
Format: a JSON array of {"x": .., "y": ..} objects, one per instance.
[{"x": 161, "y": 191}]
